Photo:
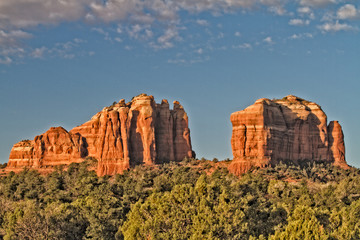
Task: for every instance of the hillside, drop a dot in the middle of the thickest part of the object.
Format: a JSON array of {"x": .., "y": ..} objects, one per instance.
[{"x": 191, "y": 199}]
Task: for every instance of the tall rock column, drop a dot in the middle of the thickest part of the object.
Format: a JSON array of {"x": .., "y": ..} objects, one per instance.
[
  {"x": 249, "y": 138},
  {"x": 336, "y": 144},
  {"x": 182, "y": 141},
  {"x": 164, "y": 133},
  {"x": 142, "y": 115}
]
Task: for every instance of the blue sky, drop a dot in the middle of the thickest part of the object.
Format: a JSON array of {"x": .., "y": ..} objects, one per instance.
[{"x": 61, "y": 61}]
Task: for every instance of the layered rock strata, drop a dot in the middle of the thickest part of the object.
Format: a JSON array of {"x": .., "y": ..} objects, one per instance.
[
  {"x": 289, "y": 129},
  {"x": 120, "y": 136}
]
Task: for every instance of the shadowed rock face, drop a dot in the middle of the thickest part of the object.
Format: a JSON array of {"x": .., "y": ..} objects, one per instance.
[
  {"x": 290, "y": 129},
  {"x": 119, "y": 137}
]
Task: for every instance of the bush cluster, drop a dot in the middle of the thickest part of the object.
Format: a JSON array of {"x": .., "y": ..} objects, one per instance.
[{"x": 182, "y": 201}]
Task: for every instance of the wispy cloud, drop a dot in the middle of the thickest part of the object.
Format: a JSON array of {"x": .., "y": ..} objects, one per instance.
[
  {"x": 243, "y": 46},
  {"x": 11, "y": 38},
  {"x": 268, "y": 40},
  {"x": 158, "y": 23},
  {"x": 39, "y": 52},
  {"x": 301, "y": 36},
  {"x": 166, "y": 40},
  {"x": 317, "y": 3},
  {"x": 336, "y": 26},
  {"x": 202, "y": 22},
  {"x": 5, "y": 60},
  {"x": 64, "y": 50},
  {"x": 299, "y": 22},
  {"x": 237, "y": 34}
]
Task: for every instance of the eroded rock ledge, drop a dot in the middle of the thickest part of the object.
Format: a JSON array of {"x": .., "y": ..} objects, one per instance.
[
  {"x": 288, "y": 129},
  {"x": 120, "y": 136}
]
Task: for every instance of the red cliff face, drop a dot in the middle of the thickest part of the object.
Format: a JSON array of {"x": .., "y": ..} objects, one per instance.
[
  {"x": 119, "y": 137},
  {"x": 290, "y": 129},
  {"x": 55, "y": 147}
]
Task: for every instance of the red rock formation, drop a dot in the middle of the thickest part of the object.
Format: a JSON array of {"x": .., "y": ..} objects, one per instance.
[
  {"x": 55, "y": 147},
  {"x": 164, "y": 132},
  {"x": 336, "y": 144},
  {"x": 181, "y": 132},
  {"x": 290, "y": 129},
  {"x": 120, "y": 136}
]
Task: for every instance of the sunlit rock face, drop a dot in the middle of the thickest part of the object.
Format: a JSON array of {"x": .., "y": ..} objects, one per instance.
[
  {"x": 55, "y": 147},
  {"x": 119, "y": 137},
  {"x": 288, "y": 129}
]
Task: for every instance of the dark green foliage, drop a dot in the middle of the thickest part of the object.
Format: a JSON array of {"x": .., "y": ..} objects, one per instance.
[{"x": 187, "y": 200}]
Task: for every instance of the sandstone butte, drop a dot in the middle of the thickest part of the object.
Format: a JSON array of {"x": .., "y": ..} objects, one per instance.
[
  {"x": 289, "y": 129},
  {"x": 119, "y": 137}
]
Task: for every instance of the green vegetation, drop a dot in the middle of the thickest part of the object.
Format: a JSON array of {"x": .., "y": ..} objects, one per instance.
[{"x": 187, "y": 200}]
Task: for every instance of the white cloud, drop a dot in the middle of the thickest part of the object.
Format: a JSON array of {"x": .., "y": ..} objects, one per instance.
[
  {"x": 102, "y": 32},
  {"x": 10, "y": 45},
  {"x": 143, "y": 18},
  {"x": 158, "y": 22},
  {"x": 176, "y": 61},
  {"x": 328, "y": 17},
  {"x": 212, "y": 5},
  {"x": 113, "y": 10},
  {"x": 278, "y": 10},
  {"x": 348, "y": 11},
  {"x": 317, "y": 3},
  {"x": 6, "y": 60},
  {"x": 272, "y": 2},
  {"x": 268, "y": 40},
  {"x": 134, "y": 31},
  {"x": 295, "y": 36},
  {"x": 11, "y": 38},
  {"x": 301, "y": 36},
  {"x": 191, "y": 60},
  {"x": 335, "y": 27},
  {"x": 202, "y": 22},
  {"x": 117, "y": 39},
  {"x": 306, "y": 11},
  {"x": 39, "y": 52},
  {"x": 166, "y": 40},
  {"x": 243, "y": 46},
  {"x": 128, "y": 48},
  {"x": 299, "y": 22},
  {"x": 25, "y": 13},
  {"x": 237, "y": 34},
  {"x": 12, "y": 51},
  {"x": 65, "y": 50},
  {"x": 275, "y": 6},
  {"x": 140, "y": 32}
]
